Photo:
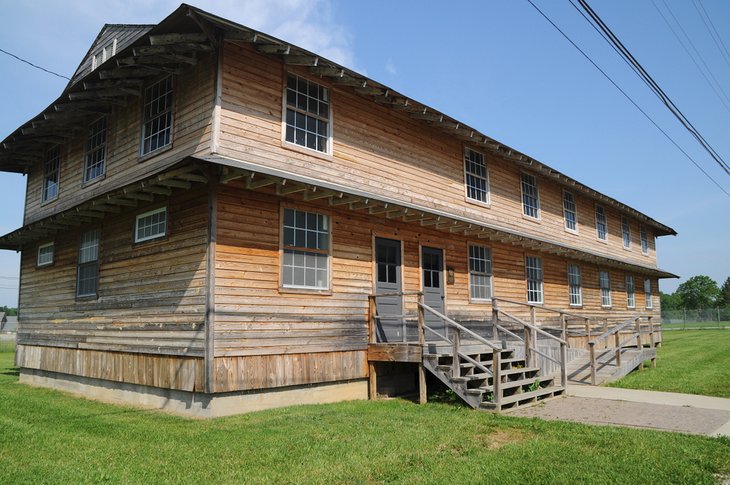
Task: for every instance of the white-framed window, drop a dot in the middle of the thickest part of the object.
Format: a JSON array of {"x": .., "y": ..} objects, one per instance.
[
  {"x": 644, "y": 240},
  {"x": 530, "y": 196},
  {"x": 601, "y": 224},
  {"x": 307, "y": 114},
  {"x": 157, "y": 116},
  {"x": 570, "y": 214},
  {"x": 95, "y": 157},
  {"x": 575, "y": 286},
  {"x": 626, "y": 231},
  {"x": 87, "y": 281},
  {"x": 647, "y": 293},
  {"x": 533, "y": 274},
  {"x": 604, "y": 281},
  {"x": 45, "y": 254},
  {"x": 151, "y": 225},
  {"x": 106, "y": 52},
  {"x": 51, "y": 174},
  {"x": 306, "y": 250},
  {"x": 480, "y": 273},
  {"x": 476, "y": 176},
  {"x": 630, "y": 292}
]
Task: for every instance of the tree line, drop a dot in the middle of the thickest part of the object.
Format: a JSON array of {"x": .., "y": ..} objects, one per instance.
[{"x": 698, "y": 293}]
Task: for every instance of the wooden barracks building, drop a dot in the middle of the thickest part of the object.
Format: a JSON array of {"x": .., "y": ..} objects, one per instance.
[{"x": 218, "y": 221}]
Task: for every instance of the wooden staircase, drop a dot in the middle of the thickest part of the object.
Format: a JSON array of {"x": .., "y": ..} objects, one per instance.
[
  {"x": 607, "y": 367},
  {"x": 472, "y": 377}
]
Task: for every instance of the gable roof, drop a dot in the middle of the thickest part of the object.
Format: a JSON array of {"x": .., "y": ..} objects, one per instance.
[{"x": 193, "y": 21}]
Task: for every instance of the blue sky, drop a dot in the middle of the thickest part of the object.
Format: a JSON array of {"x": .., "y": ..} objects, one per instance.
[{"x": 496, "y": 65}]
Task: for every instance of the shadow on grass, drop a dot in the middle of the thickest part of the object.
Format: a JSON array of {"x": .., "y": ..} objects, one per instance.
[{"x": 14, "y": 372}]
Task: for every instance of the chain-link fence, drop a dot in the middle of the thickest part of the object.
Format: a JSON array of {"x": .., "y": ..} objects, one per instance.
[{"x": 702, "y": 318}]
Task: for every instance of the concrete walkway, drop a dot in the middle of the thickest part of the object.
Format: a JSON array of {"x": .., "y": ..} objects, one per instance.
[{"x": 667, "y": 411}]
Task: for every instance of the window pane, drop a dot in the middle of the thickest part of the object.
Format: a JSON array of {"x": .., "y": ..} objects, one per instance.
[
  {"x": 151, "y": 225},
  {"x": 157, "y": 120},
  {"x": 530, "y": 198},
  {"x": 307, "y": 113},
  {"x": 477, "y": 181}
]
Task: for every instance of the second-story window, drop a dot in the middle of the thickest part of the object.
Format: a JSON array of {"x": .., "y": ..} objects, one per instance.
[
  {"x": 570, "y": 212},
  {"x": 480, "y": 273},
  {"x": 601, "y": 226},
  {"x": 476, "y": 175},
  {"x": 574, "y": 283},
  {"x": 630, "y": 292},
  {"x": 605, "y": 283},
  {"x": 533, "y": 273},
  {"x": 307, "y": 114},
  {"x": 626, "y": 231},
  {"x": 95, "y": 157},
  {"x": 644, "y": 240},
  {"x": 51, "y": 174},
  {"x": 530, "y": 196},
  {"x": 157, "y": 116}
]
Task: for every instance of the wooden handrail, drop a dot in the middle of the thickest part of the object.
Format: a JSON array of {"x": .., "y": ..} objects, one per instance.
[
  {"x": 458, "y": 326},
  {"x": 533, "y": 327},
  {"x": 396, "y": 293},
  {"x": 540, "y": 307},
  {"x": 612, "y": 331}
]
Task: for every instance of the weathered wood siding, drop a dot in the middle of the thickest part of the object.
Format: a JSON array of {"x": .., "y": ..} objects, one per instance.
[
  {"x": 193, "y": 92},
  {"x": 167, "y": 372},
  {"x": 151, "y": 294},
  {"x": 385, "y": 152},
  {"x": 262, "y": 329}
]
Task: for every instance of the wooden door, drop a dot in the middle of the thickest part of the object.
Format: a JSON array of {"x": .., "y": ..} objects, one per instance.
[
  {"x": 432, "y": 266},
  {"x": 388, "y": 275}
]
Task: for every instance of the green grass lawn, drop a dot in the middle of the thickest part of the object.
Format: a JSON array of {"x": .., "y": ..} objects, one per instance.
[
  {"x": 51, "y": 437},
  {"x": 692, "y": 361}
]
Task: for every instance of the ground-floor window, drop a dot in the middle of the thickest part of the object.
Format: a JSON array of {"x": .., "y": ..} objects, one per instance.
[
  {"x": 605, "y": 284},
  {"x": 87, "y": 282},
  {"x": 647, "y": 293},
  {"x": 533, "y": 273},
  {"x": 480, "y": 273},
  {"x": 630, "y": 292},
  {"x": 574, "y": 283},
  {"x": 306, "y": 250}
]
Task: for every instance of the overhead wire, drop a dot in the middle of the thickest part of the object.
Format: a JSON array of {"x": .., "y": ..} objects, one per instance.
[
  {"x": 694, "y": 61},
  {"x": 713, "y": 31},
  {"x": 588, "y": 58},
  {"x": 34, "y": 65},
  {"x": 639, "y": 69}
]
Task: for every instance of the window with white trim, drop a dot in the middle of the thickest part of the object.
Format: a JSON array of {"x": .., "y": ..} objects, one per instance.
[
  {"x": 51, "y": 174},
  {"x": 533, "y": 274},
  {"x": 307, "y": 115},
  {"x": 630, "y": 292},
  {"x": 306, "y": 250},
  {"x": 157, "y": 116},
  {"x": 95, "y": 157},
  {"x": 530, "y": 196},
  {"x": 604, "y": 281},
  {"x": 647, "y": 293},
  {"x": 601, "y": 224},
  {"x": 626, "y": 231},
  {"x": 87, "y": 281},
  {"x": 644, "y": 240},
  {"x": 570, "y": 211},
  {"x": 476, "y": 176},
  {"x": 45, "y": 254},
  {"x": 106, "y": 52},
  {"x": 574, "y": 285},
  {"x": 480, "y": 273},
  {"x": 151, "y": 225}
]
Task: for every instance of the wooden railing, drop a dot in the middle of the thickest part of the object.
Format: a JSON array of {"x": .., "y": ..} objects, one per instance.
[
  {"x": 634, "y": 338},
  {"x": 587, "y": 322},
  {"x": 530, "y": 332}
]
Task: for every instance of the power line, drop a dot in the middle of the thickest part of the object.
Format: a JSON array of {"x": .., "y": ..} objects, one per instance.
[
  {"x": 713, "y": 31},
  {"x": 694, "y": 61},
  {"x": 33, "y": 65},
  {"x": 628, "y": 97},
  {"x": 639, "y": 70}
]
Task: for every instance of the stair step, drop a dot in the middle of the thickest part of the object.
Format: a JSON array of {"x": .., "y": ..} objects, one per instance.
[
  {"x": 448, "y": 367},
  {"x": 507, "y": 385},
  {"x": 520, "y": 398},
  {"x": 518, "y": 370}
]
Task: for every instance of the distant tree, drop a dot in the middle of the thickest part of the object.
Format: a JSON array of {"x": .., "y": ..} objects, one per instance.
[
  {"x": 670, "y": 301},
  {"x": 698, "y": 292},
  {"x": 9, "y": 311},
  {"x": 724, "y": 299}
]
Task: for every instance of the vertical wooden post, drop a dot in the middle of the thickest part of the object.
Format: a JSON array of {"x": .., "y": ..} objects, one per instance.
[
  {"x": 652, "y": 342},
  {"x": 592, "y": 349},
  {"x": 564, "y": 326},
  {"x": 639, "y": 343},
  {"x": 495, "y": 320},
  {"x": 372, "y": 338},
  {"x": 528, "y": 345},
  {"x": 588, "y": 328},
  {"x": 617, "y": 343},
  {"x": 422, "y": 391},
  {"x": 497, "y": 378},
  {"x": 455, "y": 361},
  {"x": 373, "y": 382},
  {"x": 563, "y": 365}
]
